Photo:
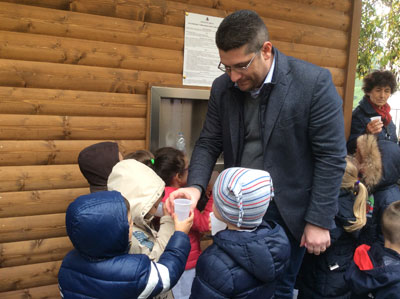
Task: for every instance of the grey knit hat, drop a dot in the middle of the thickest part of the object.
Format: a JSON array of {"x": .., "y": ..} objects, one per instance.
[{"x": 242, "y": 196}]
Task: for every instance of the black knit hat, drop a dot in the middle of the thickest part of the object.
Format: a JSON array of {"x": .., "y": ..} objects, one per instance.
[{"x": 96, "y": 162}]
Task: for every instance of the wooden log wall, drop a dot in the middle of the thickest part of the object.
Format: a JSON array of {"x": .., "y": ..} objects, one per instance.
[{"x": 77, "y": 72}]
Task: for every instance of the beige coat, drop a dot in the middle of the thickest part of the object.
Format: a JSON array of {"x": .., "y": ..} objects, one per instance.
[{"x": 142, "y": 187}]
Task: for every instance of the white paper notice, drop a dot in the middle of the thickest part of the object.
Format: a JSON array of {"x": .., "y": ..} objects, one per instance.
[{"x": 201, "y": 58}]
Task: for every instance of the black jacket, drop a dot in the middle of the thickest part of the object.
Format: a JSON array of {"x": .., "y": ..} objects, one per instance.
[
  {"x": 322, "y": 276},
  {"x": 382, "y": 281},
  {"x": 360, "y": 118}
]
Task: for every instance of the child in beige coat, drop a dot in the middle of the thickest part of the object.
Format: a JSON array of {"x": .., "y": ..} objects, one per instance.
[{"x": 144, "y": 189}]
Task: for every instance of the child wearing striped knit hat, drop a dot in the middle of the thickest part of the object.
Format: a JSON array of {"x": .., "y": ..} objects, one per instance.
[{"x": 245, "y": 259}]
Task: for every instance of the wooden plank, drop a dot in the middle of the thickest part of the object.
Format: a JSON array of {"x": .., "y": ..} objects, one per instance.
[
  {"x": 173, "y": 13},
  {"x": 33, "y": 47},
  {"x": 351, "y": 66},
  {"x": 291, "y": 11},
  {"x": 28, "y": 178},
  {"x": 40, "y": 202},
  {"x": 72, "y": 51},
  {"x": 306, "y": 34},
  {"x": 338, "y": 76},
  {"x": 48, "y": 152},
  {"x": 340, "y": 5},
  {"x": 340, "y": 91},
  {"x": 37, "y": 127},
  {"x": 34, "y": 251},
  {"x": 19, "y": 100},
  {"x": 91, "y": 27},
  {"x": 27, "y": 276},
  {"x": 56, "y": 4},
  {"x": 76, "y": 77},
  {"x": 24, "y": 228},
  {"x": 37, "y": 20},
  {"x": 48, "y": 292},
  {"x": 324, "y": 57}
]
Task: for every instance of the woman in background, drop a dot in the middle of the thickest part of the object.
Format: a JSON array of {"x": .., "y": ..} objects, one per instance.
[{"x": 372, "y": 115}]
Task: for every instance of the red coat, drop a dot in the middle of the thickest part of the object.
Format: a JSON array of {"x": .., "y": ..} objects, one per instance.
[{"x": 200, "y": 225}]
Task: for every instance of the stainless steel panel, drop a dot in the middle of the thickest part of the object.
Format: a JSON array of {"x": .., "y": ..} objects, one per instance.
[{"x": 175, "y": 110}]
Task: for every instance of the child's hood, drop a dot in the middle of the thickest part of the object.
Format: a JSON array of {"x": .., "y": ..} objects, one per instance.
[
  {"x": 97, "y": 225},
  {"x": 379, "y": 161},
  {"x": 264, "y": 253},
  {"x": 96, "y": 162},
  {"x": 374, "y": 268},
  {"x": 390, "y": 153},
  {"x": 369, "y": 159},
  {"x": 139, "y": 184}
]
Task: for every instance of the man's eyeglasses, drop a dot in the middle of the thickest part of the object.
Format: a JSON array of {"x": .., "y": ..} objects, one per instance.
[{"x": 239, "y": 69}]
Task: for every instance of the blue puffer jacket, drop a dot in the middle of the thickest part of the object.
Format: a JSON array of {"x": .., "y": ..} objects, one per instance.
[
  {"x": 242, "y": 264},
  {"x": 99, "y": 266},
  {"x": 380, "y": 278},
  {"x": 361, "y": 117}
]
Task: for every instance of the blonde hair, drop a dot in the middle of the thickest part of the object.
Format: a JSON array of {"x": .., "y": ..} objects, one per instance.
[
  {"x": 391, "y": 223},
  {"x": 351, "y": 183}
]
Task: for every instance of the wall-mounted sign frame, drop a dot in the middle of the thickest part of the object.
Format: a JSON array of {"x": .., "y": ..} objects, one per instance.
[{"x": 201, "y": 56}]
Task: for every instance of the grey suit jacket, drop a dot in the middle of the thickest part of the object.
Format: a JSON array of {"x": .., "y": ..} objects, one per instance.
[{"x": 303, "y": 139}]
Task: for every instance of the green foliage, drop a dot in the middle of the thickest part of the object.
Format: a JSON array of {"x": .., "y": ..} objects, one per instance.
[
  {"x": 358, "y": 93},
  {"x": 379, "y": 41}
]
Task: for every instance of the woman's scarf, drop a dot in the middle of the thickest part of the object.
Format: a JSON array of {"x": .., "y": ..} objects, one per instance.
[{"x": 383, "y": 111}]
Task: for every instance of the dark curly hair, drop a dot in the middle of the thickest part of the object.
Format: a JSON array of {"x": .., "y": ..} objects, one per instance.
[
  {"x": 168, "y": 162},
  {"x": 381, "y": 79}
]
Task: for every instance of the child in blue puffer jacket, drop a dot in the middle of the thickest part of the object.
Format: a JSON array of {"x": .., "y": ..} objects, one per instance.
[
  {"x": 245, "y": 259},
  {"x": 100, "y": 228}
]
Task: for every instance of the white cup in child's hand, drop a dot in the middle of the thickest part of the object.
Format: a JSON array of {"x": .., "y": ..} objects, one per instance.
[
  {"x": 216, "y": 224},
  {"x": 182, "y": 208},
  {"x": 376, "y": 117}
]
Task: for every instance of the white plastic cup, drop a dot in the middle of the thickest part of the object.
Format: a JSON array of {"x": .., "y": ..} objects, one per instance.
[
  {"x": 216, "y": 224},
  {"x": 182, "y": 208},
  {"x": 376, "y": 117}
]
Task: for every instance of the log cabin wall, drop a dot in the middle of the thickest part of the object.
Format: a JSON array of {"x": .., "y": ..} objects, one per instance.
[{"x": 76, "y": 72}]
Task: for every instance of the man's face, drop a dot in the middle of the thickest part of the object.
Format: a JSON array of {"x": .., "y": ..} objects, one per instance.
[{"x": 253, "y": 77}]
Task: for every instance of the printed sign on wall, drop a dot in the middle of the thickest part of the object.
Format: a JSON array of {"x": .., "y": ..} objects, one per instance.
[{"x": 201, "y": 56}]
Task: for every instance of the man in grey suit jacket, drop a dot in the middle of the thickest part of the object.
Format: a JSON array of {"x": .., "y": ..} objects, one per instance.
[{"x": 277, "y": 113}]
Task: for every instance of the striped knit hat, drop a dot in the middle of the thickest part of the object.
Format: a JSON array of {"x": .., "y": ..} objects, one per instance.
[{"x": 242, "y": 195}]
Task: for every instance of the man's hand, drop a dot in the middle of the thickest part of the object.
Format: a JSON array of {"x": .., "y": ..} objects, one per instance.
[
  {"x": 316, "y": 239},
  {"x": 191, "y": 193}
]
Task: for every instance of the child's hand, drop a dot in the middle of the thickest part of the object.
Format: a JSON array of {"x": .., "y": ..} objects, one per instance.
[
  {"x": 165, "y": 210},
  {"x": 185, "y": 225}
]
